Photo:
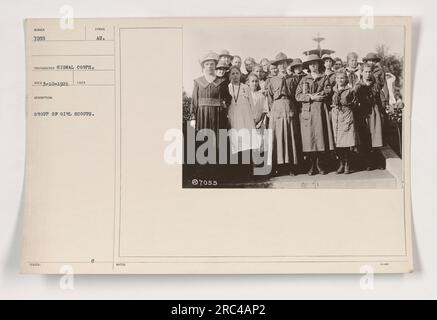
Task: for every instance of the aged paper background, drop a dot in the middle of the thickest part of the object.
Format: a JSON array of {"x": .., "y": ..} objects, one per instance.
[{"x": 100, "y": 197}]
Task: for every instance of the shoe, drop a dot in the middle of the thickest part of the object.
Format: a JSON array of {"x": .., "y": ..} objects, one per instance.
[
  {"x": 379, "y": 160},
  {"x": 274, "y": 173},
  {"x": 369, "y": 166},
  {"x": 340, "y": 168},
  {"x": 347, "y": 168},
  {"x": 319, "y": 168},
  {"x": 312, "y": 171}
]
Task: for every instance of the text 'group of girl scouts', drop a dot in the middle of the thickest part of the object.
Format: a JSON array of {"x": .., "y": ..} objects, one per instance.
[{"x": 317, "y": 110}]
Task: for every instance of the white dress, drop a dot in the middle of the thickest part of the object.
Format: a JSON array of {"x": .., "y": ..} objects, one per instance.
[
  {"x": 259, "y": 108},
  {"x": 260, "y": 105},
  {"x": 243, "y": 134}
]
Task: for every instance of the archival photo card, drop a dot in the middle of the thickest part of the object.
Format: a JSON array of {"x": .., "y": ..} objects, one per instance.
[{"x": 218, "y": 145}]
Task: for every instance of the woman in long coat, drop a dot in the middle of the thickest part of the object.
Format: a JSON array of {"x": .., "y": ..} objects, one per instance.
[
  {"x": 313, "y": 92},
  {"x": 292, "y": 84},
  {"x": 210, "y": 100},
  {"x": 284, "y": 149},
  {"x": 368, "y": 117}
]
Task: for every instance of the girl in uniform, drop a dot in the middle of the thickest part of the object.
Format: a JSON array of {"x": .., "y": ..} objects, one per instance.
[
  {"x": 222, "y": 71},
  {"x": 284, "y": 155},
  {"x": 260, "y": 107},
  {"x": 368, "y": 118},
  {"x": 313, "y": 92},
  {"x": 265, "y": 63},
  {"x": 328, "y": 62},
  {"x": 379, "y": 74},
  {"x": 343, "y": 121},
  {"x": 353, "y": 70},
  {"x": 258, "y": 71}
]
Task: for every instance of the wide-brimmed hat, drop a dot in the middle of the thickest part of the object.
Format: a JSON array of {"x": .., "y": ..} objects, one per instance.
[
  {"x": 371, "y": 56},
  {"x": 327, "y": 56},
  {"x": 209, "y": 56},
  {"x": 296, "y": 62},
  {"x": 225, "y": 53},
  {"x": 280, "y": 57},
  {"x": 311, "y": 58},
  {"x": 222, "y": 65}
]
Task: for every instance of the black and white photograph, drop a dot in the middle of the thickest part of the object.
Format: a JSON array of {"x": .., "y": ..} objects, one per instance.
[
  {"x": 227, "y": 158},
  {"x": 293, "y": 107}
]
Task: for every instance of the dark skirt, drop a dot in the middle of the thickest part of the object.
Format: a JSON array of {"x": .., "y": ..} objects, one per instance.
[
  {"x": 369, "y": 127},
  {"x": 211, "y": 117},
  {"x": 284, "y": 131}
]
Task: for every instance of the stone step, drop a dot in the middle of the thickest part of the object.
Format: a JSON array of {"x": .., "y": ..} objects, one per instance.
[
  {"x": 389, "y": 178},
  {"x": 375, "y": 179}
]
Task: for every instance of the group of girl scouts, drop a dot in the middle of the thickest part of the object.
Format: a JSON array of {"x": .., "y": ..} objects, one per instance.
[{"x": 313, "y": 108}]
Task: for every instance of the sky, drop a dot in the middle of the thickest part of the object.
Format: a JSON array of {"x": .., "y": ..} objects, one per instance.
[{"x": 259, "y": 42}]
